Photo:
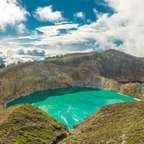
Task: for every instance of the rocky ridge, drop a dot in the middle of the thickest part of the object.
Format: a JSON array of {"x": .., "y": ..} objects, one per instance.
[
  {"x": 114, "y": 124},
  {"x": 111, "y": 70}
]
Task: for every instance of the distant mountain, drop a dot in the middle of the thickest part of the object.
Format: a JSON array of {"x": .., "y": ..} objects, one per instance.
[{"x": 111, "y": 69}]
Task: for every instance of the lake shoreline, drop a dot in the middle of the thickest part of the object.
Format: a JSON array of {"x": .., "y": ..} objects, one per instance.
[{"x": 81, "y": 102}]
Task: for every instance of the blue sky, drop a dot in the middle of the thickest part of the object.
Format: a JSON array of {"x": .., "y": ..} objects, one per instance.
[
  {"x": 68, "y": 8},
  {"x": 35, "y": 29}
]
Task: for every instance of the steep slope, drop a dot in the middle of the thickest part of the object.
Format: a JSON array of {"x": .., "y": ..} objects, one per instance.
[
  {"x": 109, "y": 69},
  {"x": 110, "y": 64},
  {"x": 114, "y": 124},
  {"x": 122, "y": 67},
  {"x": 28, "y": 125}
]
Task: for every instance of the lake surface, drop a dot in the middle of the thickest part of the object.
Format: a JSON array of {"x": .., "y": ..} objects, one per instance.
[{"x": 70, "y": 106}]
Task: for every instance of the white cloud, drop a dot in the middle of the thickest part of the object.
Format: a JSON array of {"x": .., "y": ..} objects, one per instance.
[
  {"x": 13, "y": 51},
  {"x": 78, "y": 34},
  {"x": 11, "y": 13},
  {"x": 21, "y": 28},
  {"x": 126, "y": 25},
  {"x": 47, "y": 14},
  {"x": 52, "y": 36},
  {"x": 79, "y": 15}
]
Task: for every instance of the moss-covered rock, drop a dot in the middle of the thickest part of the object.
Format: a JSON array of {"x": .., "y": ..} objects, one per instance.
[
  {"x": 133, "y": 89},
  {"x": 114, "y": 124},
  {"x": 28, "y": 125}
]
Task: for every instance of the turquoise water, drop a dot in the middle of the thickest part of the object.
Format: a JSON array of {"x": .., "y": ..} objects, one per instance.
[{"x": 70, "y": 106}]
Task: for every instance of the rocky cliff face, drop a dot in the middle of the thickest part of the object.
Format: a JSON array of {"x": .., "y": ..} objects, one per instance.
[
  {"x": 133, "y": 89},
  {"x": 110, "y": 64},
  {"x": 122, "y": 67},
  {"x": 110, "y": 69}
]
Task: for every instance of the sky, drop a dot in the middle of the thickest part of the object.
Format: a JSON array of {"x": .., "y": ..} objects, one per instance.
[{"x": 35, "y": 29}]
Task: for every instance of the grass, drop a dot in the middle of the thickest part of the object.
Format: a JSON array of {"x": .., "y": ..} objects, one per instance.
[
  {"x": 25, "y": 124},
  {"x": 114, "y": 124}
]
